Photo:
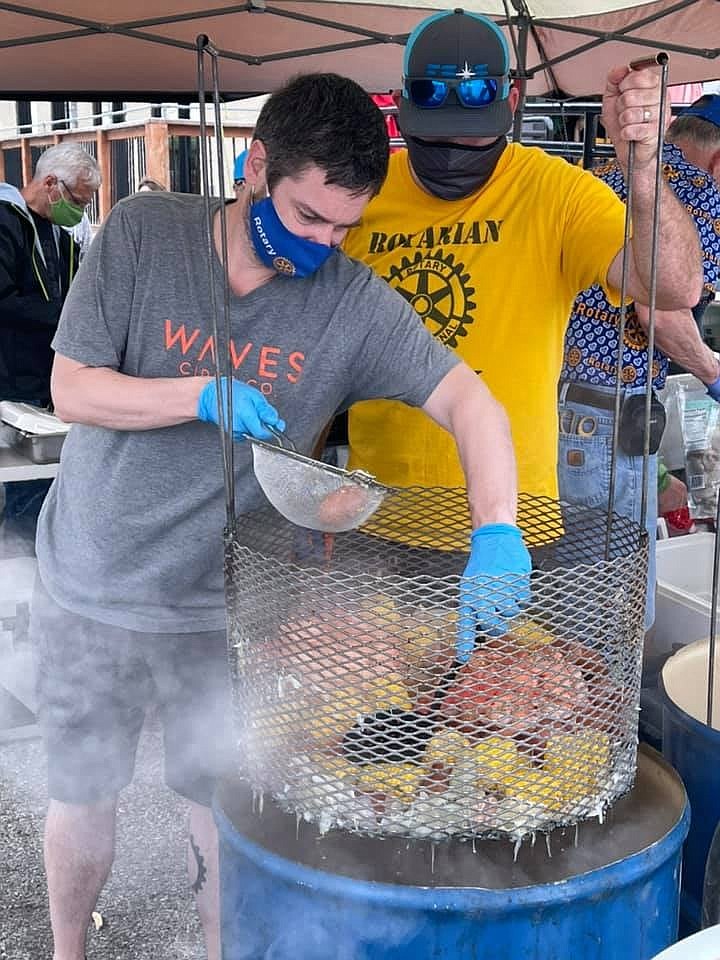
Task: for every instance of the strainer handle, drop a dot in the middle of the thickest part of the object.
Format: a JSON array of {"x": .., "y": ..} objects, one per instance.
[{"x": 282, "y": 438}]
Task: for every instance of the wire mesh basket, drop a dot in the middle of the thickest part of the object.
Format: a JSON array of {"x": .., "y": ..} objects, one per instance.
[{"x": 332, "y": 640}]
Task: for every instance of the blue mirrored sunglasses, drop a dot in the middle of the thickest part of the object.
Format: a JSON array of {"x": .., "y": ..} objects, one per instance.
[{"x": 429, "y": 93}]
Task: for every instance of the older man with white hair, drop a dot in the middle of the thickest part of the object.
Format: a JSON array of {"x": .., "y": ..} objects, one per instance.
[{"x": 38, "y": 260}]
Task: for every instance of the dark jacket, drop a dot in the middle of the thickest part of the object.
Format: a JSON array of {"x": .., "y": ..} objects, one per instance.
[{"x": 29, "y": 307}]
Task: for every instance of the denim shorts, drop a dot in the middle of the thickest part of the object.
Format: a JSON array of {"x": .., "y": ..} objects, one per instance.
[
  {"x": 584, "y": 458},
  {"x": 94, "y": 684}
]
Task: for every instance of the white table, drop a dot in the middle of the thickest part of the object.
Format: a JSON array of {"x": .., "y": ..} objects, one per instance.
[{"x": 15, "y": 466}]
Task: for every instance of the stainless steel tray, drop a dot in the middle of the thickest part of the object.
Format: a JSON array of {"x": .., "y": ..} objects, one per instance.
[{"x": 39, "y": 449}]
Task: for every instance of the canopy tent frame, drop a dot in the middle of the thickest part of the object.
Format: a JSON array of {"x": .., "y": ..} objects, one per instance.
[{"x": 523, "y": 24}]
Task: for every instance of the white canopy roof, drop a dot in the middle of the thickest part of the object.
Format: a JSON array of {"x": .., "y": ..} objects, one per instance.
[{"x": 142, "y": 49}]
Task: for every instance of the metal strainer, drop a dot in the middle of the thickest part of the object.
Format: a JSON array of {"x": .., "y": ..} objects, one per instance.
[{"x": 313, "y": 494}]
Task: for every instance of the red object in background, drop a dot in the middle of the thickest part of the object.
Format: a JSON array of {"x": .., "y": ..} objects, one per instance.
[
  {"x": 679, "y": 520},
  {"x": 385, "y": 100}
]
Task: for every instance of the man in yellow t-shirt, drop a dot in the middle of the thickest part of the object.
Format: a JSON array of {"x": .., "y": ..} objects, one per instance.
[{"x": 490, "y": 242}]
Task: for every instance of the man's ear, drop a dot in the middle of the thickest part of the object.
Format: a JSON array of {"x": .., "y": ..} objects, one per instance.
[
  {"x": 714, "y": 166},
  {"x": 256, "y": 163},
  {"x": 513, "y": 97}
]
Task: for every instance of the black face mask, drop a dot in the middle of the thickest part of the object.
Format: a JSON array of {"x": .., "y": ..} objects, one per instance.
[{"x": 450, "y": 170}]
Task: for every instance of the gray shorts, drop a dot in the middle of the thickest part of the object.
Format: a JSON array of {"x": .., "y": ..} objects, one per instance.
[{"x": 94, "y": 685}]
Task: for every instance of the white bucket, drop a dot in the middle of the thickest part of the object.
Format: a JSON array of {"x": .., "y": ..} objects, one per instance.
[
  {"x": 685, "y": 678},
  {"x": 704, "y": 945}
]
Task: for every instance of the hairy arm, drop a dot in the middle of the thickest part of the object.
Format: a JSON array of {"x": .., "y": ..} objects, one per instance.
[
  {"x": 102, "y": 397},
  {"x": 677, "y": 335},
  {"x": 463, "y": 405},
  {"x": 630, "y": 97},
  {"x": 679, "y": 283}
]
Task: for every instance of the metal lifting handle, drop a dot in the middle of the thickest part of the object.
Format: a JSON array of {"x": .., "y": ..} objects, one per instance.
[
  {"x": 713, "y": 620},
  {"x": 661, "y": 59},
  {"x": 222, "y": 352}
]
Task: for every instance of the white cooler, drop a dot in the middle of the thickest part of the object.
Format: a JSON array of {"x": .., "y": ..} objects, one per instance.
[{"x": 684, "y": 592}]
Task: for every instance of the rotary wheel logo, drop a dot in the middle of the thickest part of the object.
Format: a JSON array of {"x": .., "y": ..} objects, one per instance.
[
  {"x": 437, "y": 288},
  {"x": 635, "y": 337},
  {"x": 574, "y": 356},
  {"x": 283, "y": 265}
]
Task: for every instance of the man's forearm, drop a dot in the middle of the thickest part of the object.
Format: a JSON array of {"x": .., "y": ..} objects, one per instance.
[
  {"x": 677, "y": 335},
  {"x": 102, "y": 397},
  {"x": 464, "y": 406},
  {"x": 679, "y": 279}
]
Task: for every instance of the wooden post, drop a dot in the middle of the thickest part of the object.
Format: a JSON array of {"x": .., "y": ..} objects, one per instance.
[
  {"x": 105, "y": 163},
  {"x": 157, "y": 151},
  {"x": 2, "y": 165}
]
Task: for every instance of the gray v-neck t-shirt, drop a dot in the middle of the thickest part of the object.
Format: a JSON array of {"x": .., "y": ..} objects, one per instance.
[{"x": 131, "y": 530}]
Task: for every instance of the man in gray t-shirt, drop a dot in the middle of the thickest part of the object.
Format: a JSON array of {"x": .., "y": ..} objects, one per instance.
[{"x": 129, "y": 546}]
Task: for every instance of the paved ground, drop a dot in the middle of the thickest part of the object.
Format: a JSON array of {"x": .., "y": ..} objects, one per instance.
[{"x": 146, "y": 905}]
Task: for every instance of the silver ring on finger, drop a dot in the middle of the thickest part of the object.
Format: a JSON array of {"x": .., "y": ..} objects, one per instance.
[{"x": 647, "y": 116}]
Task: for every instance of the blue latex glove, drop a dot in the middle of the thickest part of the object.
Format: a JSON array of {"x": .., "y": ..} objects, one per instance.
[
  {"x": 495, "y": 584},
  {"x": 714, "y": 389},
  {"x": 250, "y": 409}
]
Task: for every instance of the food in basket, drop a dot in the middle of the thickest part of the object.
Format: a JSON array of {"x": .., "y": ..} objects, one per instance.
[
  {"x": 342, "y": 508},
  {"x": 335, "y": 648},
  {"x": 397, "y": 780},
  {"x": 499, "y": 763},
  {"x": 445, "y": 748},
  {"x": 529, "y": 633},
  {"x": 508, "y": 689},
  {"x": 578, "y": 760}
]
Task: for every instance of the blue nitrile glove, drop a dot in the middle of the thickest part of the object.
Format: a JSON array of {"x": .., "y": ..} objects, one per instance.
[
  {"x": 714, "y": 389},
  {"x": 495, "y": 584},
  {"x": 250, "y": 409}
]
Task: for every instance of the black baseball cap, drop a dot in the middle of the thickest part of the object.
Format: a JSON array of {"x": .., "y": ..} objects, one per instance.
[
  {"x": 706, "y": 107},
  {"x": 455, "y": 44}
]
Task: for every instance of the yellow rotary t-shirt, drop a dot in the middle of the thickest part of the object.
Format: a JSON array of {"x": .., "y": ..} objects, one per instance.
[{"x": 493, "y": 276}]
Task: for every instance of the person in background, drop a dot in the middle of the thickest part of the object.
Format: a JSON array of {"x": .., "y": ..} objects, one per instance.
[
  {"x": 490, "y": 242},
  {"x": 672, "y": 492},
  {"x": 82, "y": 234},
  {"x": 130, "y": 601},
  {"x": 147, "y": 183},
  {"x": 38, "y": 261},
  {"x": 691, "y": 158},
  {"x": 239, "y": 173}
]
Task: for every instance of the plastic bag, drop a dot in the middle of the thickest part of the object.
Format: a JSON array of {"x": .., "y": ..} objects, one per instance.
[{"x": 700, "y": 427}]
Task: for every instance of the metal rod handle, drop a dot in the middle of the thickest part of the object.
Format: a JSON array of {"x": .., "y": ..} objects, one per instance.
[
  {"x": 224, "y": 410},
  {"x": 621, "y": 341},
  {"x": 659, "y": 60},
  {"x": 713, "y": 619},
  {"x": 653, "y": 290}
]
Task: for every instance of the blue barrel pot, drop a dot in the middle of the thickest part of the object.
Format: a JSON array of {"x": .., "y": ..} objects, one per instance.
[
  {"x": 693, "y": 749},
  {"x": 289, "y": 894}
]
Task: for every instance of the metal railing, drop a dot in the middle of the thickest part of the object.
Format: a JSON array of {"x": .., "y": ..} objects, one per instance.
[{"x": 126, "y": 152}]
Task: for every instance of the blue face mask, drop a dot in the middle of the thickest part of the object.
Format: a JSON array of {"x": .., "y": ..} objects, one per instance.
[{"x": 281, "y": 249}]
